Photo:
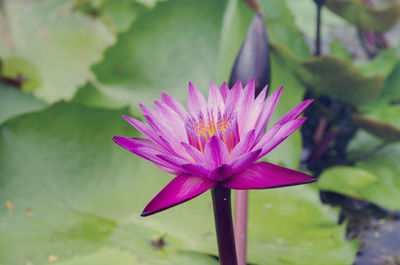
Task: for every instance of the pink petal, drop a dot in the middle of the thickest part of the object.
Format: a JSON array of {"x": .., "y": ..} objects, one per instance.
[
  {"x": 147, "y": 152},
  {"x": 216, "y": 152},
  {"x": 244, "y": 145},
  {"x": 176, "y": 161},
  {"x": 264, "y": 175},
  {"x": 179, "y": 190},
  {"x": 174, "y": 105},
  {"x": 244, "y": 161},
  {"x": 193, "y": 152},
  {"x": 196, "y": 101},
  {"x": 215, "y": 100},
  {"x": 233, "y": 97},
  {"x": 173, "y": 119},
  {"x": 171, "y": 136},
  {"x": 147, "y": 131},
  {"x": 221, "y": 173},
  {"x": 196, "y": 169},
  {"x": 266, "y": 113},
  {"x": 164, "y": 122},
  {"x": 254, "y": 111},
  {"x": 224, "y": 89},
  {"x": 295, "y": 112},
  {"x": 283, "y": 133},
  {"x": 245, "y": 103}
]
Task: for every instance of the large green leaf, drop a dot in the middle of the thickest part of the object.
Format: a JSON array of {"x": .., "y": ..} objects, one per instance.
[
  {"x": 115, "y": 256},
  {"x": 364, "y": 16},
  {"x": 85, "y": 194},
  {"x": 90, "y": 95},
  {"x": 173, "y": 43},
  {"x": 374, "y": 178},
  {"x": 391, "y": 90},
  {"x": 340, "y": 79},
  {"x": 14, "y": 103},
  {"x": 117, "y": 15},
  {"x": 351, "y": 181},
  {"x": 50, "y": 45},
  {"x": 104, "y": 256}
]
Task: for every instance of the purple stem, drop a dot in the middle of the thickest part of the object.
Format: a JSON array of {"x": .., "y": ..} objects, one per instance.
[
  {"x": 322, "y": 146},
  {"x": 221, "y": 198},
  {"x": 241, "y": 205}
]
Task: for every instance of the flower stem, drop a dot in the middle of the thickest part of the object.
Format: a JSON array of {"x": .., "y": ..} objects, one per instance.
[
  {"x": 318, "y": 31},
  {"x": 241, "y": 205},
  {"x": 221, "y": 198}
]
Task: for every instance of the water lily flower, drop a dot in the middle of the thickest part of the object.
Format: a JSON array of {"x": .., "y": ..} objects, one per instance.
[{"x": 216, "y": 143}]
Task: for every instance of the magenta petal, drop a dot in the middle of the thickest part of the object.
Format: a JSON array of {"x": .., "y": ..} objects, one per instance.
[
  {"x": 244, "y": 161},
  {"x": 196, "y": 169},
  {"x": 193, "y": 152},
  {"x": 147, "y": 152},
  {"x": 221, "y": 173},
  {"x": 172, "y": 160},
  {"x": 264, "y": 175},
  {"x": 196, "y": 101},
  {"x": 146, "y": 130},
  {"x": 174, "y": 105},
  {"x": 245, "y": 103},
  {"x": 172, "y": 128},
  {"x": 224, "y": 89},
  {"x": 234, "y": 96},
  {"x": 216, "y": 152},
  {"x": 179, "y": 190},
  {"x": 215, "y": 100},
  {"x": 284, "y": 132},
  {"x": 254, "y": 112},
  {"x": 244, "y": 145},
  {"x": 295, "y": 112},
  {"x": 267, "y": 110},
  {"x": 125, "y": 142}
]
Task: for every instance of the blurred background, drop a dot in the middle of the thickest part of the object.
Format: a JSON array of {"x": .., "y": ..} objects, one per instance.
[{"x": 70, "y": 68}]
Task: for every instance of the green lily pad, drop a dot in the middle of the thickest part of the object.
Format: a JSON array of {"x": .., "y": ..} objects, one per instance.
[
  {"x": 14, "y": 102},
  {"x": 382, "y": 122},
  {"x": 374, "y": 178},
  {"x": 104, "y": 256},
  {"x": 391, "y": 90},
  {"x": 173, "y": 43},
  {"x": 117, "y": 257},
  {"x": 278, "y": 217},
  {"x": 340, "y": 51},
  {"x": 62, "y": 45},
  {"x": 78, "y": 193},
  {"x": 340, "y": 79},
  {"x": 351, "y": 181},
  {"x": 116, "y": 15},
  {"x": 383, "y": 64},
  {"x": 90, "y": 95},
  {"x": 364, "y": 16}
]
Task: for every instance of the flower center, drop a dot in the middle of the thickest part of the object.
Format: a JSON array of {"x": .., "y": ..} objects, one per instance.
[{"x": 200, "y": 130}]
